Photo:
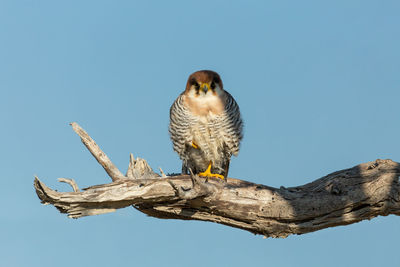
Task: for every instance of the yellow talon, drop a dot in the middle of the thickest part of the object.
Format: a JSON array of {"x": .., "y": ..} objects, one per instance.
[
  {"x": 195, "y": 145},
  {"x": 208, "y": 173}
]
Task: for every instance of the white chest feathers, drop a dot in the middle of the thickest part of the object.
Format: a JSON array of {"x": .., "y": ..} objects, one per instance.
[{"x": 205, "y": 105}]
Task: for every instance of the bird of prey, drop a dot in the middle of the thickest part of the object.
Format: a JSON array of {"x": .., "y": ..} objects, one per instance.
[{"x": 205, "y": 126}]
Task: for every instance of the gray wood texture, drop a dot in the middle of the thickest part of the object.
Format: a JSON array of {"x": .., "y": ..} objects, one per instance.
[{"x": 340, "y": 198}]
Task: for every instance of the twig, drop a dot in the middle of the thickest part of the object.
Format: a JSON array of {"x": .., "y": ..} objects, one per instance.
[
  {"x": 99, "y": 155},
  {"x": 71, "y": 182},
  {"x": 163, "y": 175}
]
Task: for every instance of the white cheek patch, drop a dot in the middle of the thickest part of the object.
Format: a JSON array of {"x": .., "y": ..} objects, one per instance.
[
  {"x": 205, "y": 104},
  {"x": 210, "y": 95},
  {"x": 204, "y": 99}
]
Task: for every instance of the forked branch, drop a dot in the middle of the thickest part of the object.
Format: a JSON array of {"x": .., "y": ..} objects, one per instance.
[{"x": 343, "y": 197}]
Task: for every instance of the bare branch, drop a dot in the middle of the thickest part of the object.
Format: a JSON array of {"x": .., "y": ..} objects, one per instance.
[
  {"x": 343, "y": 197},
  {"x": 198, "y": 188},
  {"x": 99, "y": 155},
  {"x": 163, "y": 175},
  {"x": 71, "y": 182}
]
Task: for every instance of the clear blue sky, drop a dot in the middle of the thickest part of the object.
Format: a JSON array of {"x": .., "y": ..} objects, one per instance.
[{"x": 318, "y": 85}]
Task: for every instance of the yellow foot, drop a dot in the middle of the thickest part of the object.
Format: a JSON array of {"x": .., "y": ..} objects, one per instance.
[
  {"x": 208, "y": 173},
  {"x": 195, "y": 145}
]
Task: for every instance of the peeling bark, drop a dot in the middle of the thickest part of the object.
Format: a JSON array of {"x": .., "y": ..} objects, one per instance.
[{"x": 343, "y": 197}]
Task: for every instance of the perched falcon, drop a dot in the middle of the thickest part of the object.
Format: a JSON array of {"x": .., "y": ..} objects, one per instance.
[{"x": 205, "y": 126}]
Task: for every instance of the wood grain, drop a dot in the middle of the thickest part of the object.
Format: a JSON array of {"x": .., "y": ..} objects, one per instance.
[{"x": 340, "y": 198}]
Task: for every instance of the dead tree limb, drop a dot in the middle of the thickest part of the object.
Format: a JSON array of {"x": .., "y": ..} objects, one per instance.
[{"x": 343, "y": 197}]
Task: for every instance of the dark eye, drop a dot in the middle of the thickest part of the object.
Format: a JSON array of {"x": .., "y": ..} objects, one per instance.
[
  {"x": 196, "y": 85},
  {"x": 212, "y": 85}
]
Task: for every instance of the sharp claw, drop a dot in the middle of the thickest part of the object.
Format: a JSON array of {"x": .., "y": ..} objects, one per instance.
[
  {"x": 207, "y": 173},
  {"x": 195, "y": 145}
]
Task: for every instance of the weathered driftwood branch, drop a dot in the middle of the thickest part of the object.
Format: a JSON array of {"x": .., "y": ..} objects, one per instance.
[
  {"x": 101, "y": 157},
  {"x": 344, "y": 197}
]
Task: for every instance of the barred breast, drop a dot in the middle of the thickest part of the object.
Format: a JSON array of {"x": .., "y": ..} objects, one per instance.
[{"x": 217, "y": 136}]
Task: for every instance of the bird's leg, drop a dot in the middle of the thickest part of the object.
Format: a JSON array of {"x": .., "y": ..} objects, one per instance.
[
  {"x": 184, "y": 168},
  {"x": 195, "y": 145},
  {"x": 207, "y": 173}
]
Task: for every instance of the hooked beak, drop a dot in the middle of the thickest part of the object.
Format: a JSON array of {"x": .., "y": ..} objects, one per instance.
[{"x": 205, "y": 87}]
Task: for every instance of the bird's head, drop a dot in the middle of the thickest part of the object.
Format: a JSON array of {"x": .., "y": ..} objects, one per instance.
[{"x": 204, "y": 84}]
